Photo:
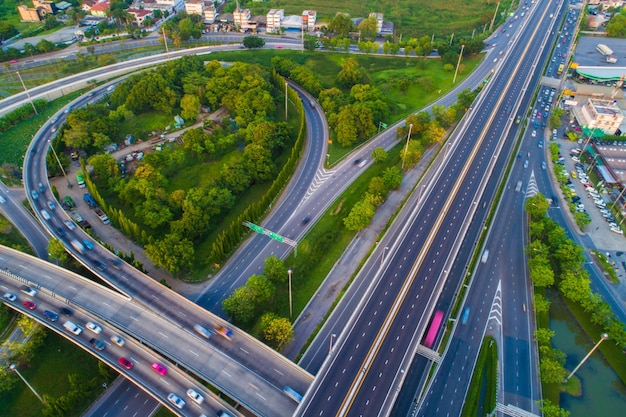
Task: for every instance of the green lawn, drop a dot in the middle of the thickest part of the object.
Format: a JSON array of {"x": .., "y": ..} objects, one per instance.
[
  {"x": 410, "y": 17},
  {"x": 48, "y": 372},
  {"x": 11, "y": 237}
]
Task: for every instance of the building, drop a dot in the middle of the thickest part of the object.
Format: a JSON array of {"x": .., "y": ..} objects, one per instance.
[
  {"x": 274, "y": 18},
  {"x": 379, "y": 22},
  {"x": 241, "y": 16},
  {"x": 140, "y": 15},
  {"x": 210, "y": 14},
  {"x": 100, "y": 9},
  {"x": 204, "y": 8},
  {"x": 600, "y": 115},
  {"x": 308, "y": 20},
  {"x": 38, "y": 12}
]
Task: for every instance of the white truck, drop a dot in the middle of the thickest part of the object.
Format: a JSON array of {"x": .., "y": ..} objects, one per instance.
[{"x": 102, "y": 215}]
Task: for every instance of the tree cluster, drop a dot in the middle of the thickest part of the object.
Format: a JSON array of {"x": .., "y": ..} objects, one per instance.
[
  {"x": 555, "y": 259},
  {"x": 300, "y": 74},
  {"x": 257, "y": 297},
  {"x": 183, "y": 27},
  {"x": 363, "y": 211},
  {"x": 22, "y": 113},
  {"x": 616, "y": 28}
]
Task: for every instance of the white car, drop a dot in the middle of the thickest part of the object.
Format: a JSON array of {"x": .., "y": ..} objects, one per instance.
[
  {"x": 28, "y": 290},
  {"x": 70, "y": 224},
  {"x": 115, "y": 339},
  {"x": 176, "y": 400},
  {"x": 534, "y": 134},
  {"x": 93, "y": 327},
  {"x": 195, "y": 396},
  {"x": 10, "y": 297},
  {"x": 616, "y": 230}
]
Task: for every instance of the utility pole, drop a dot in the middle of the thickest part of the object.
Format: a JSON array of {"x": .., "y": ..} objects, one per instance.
[
  {"x": 493, "y": 19},
  {"x": 406, "y": 150},
  {"x": 26, "y": 91},
  {"x": 290, "y": 303},
  {"x": 59, "y": 162},
  {"x": 458, "y": 64},
  {"x": 285, "y": 100},
  {"x": 165, "y": 40}
]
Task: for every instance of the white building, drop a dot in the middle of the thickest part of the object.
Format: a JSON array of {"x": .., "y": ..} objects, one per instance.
[
  {"x": 600, "y": 115},
  {"x": 274, "y": 19},
  {"x": 308, "y": 20},
  {"x": 204, "y": 8},
  {"x": 241, "y": 16}
]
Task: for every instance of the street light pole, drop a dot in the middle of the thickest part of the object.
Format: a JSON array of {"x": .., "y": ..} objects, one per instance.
[
  {"x": 330, "y": 348},
  {"x": 290, "y": 303},
  {"x": 603, "y": 337},
  {"x": 69, "y": 184},
  {"x": 26, "y": 91},
  {"x": 13, "y": 367},
  {"x": 382, "y": 258},
  {"x": 406, "y": 150},
  {"x": 458, "y": 64}
]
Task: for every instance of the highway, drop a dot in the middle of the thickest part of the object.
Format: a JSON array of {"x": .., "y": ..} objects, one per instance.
[
  {"x": 202, "y": 357},
  {"x": 364, "y": 372},
  {"x": 159, "y": 386}
]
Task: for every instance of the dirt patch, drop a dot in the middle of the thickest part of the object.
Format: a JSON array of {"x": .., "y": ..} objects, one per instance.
[{"x": 338, "y": 209}]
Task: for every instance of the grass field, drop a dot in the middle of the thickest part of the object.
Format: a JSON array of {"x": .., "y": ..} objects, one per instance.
[
  {"x": 48, "y": 372},
  {"x": 410, "y": 17},
  {"x": 11, "y": 237},
  {"x": 14, "y": 142}
]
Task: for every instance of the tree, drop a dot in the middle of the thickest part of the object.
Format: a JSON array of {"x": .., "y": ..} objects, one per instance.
[
  {"x": 341, "y": 25},
  {"x": 537, "y": 207},
  {"x": 251, "y": 42},
  {"x": 351, "y": 73},
  {"x": 360, "y": 216},
  {"x": 189, "y": 106},
  {"x": 245, "y": 301},
  {"x": 275, "y": 270},
  {"x": 56, "y": 251},
  {"x": 45, "y": 45},
  {"x": 310, "y": 43},
  {"x": 172, "y": 253},
  {"x": 379, "y": 155},
  {"x": 616, "y": 28},
  {"x": 392, "y": 177},
  {"x": 368, "y": 27},
  {"x": 552, "y": 410},
  {"x": 277, "y": 331},
  {"x": 412, "y": 154},
  {"x": 104, "y": 166},
  {"x": 7, "y": 31}
]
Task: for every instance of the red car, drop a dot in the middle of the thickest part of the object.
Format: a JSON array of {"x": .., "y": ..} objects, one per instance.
[
  {"x": 30, "y": 305},
  {"x": 125, "y": 363},
  {"x": 158, "y": 368}
]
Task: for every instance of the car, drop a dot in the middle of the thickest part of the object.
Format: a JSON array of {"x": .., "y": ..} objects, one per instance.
[
  {"x": 10, "y": 297},
  {"x": 176, "y": 400},
  {"x": 224, "y": 331},
  {"x": 357, "y": 161},
  {"x": 545, "y": 114},
  {"x": 51, "y": 315},
  {"x": 538, "y": 115},
  {"x": 69, "y": 224},
  {"x": 540, "y": 144},
  {"x": 42, "y": 187},
  {"x": 526, "y": 163},
  {"x": 306, "y": 220},
  {"x": 114, "y": 263},
  {"x": 117, "y": 340},
  {"x": 28, "y": 290},
  {"x": 88, "y": 244},
  {"x": 99, "y": 265},
  {"x": 30, "y": 305},
  {"x": 575, "y": 158},
  {"x": 45, "y": 214},
  {"x": 3, "y": 200},
  {"x": 616, "y": 230},
  {"x": 202, "y": 331},
  {"x": 61, "y": 232},
  {"x": 534, "y": 134},
  {"x": 34, "y": 194},
  {"x": 97, "y": 344},
  {"x": 158, "y": 368},
  {"x": 93, "y": 327},
  {"x": 279, "y": 47},
  {"x": 575, "y": 199},
  {"x": 543, "y": 165},
  {"x": 125, "y": 363},
  {"x": 195, "y": 396},
  {"x": 51, "y": 205},
  {"x": 66, "y": 312},
  {"x": 465, "y": 315}
]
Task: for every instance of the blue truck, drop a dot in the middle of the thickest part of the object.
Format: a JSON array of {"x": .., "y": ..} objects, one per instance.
[{"x": 89, "y": 200}]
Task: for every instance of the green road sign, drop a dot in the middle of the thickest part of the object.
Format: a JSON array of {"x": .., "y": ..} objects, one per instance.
[
  {"x": 256, "y": 228},
  {"x": 275, "y": 236}
]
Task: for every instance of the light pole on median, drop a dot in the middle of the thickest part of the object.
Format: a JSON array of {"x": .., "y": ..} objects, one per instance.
[
  {"x": 330, "y": 348},
  {"x": 382, "y": 258},
  {"x": 290, "y": 303},
  {"x": 406, "y": 150},
  {"x": 13, "y": 367},
  {"x": 603, "y": 337},
  {"x": 69, "y": 184}
]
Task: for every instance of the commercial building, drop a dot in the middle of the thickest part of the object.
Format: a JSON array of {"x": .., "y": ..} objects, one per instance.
[
  {"x": 308, "y": 20},
  {"x": 274, "y": 18}
]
